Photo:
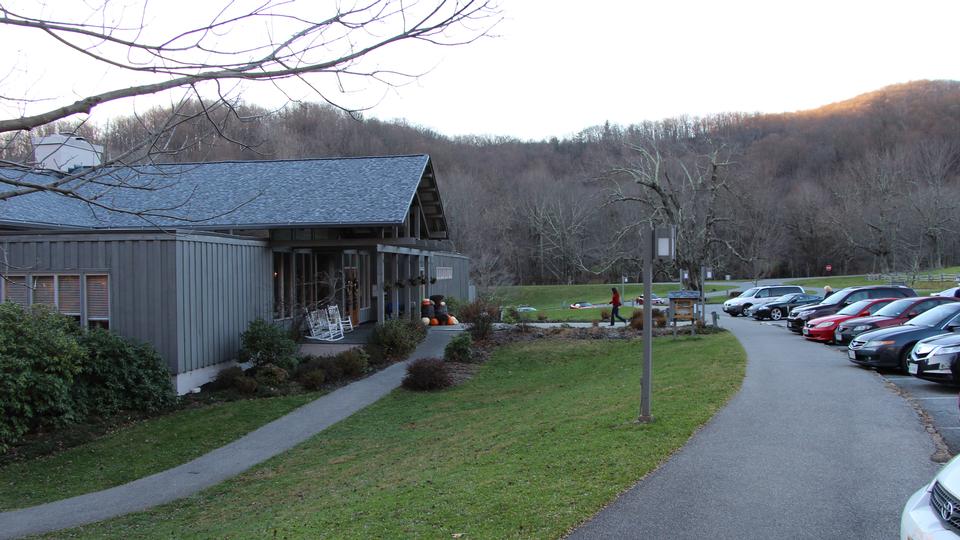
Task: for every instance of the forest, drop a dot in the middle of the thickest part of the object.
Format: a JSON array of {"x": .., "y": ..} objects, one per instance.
[{"x": 870, "y": 184}]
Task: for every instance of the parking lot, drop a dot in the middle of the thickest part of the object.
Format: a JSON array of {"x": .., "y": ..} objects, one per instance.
[{"x": 937, "y": 400}]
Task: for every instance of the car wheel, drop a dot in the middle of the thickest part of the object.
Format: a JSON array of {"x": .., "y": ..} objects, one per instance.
[
  {"x": 904, "y": 357},
  {"x": 776, "y": 314},
  {"x": 743, "y": 310}
]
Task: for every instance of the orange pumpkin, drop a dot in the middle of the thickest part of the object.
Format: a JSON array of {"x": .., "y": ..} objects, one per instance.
[{"x": 434, "y": 322}]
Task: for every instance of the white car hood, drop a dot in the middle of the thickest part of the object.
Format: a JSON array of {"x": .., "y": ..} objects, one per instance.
[{"x": 949, "y": 476}]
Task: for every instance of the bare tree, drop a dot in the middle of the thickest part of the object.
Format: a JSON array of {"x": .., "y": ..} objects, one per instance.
[
  {"x": 688, "y": 192},
  {"x": 265, "y": 41}
]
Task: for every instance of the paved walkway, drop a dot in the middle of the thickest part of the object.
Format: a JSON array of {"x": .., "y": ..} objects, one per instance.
[
  {"x": 811, "y": 447},
  {"x": 221, "y": 464}
]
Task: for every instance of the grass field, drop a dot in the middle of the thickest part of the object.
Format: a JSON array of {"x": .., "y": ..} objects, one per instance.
[
  {"x": 923, "y": 287},
  {"x": 139, "y": 450},
  {"x": 537, "y": 443},
  {"x": 554, "y": 300}
]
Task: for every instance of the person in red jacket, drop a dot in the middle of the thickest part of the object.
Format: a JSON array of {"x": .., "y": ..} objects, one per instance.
[{"x": 615, "y": 302}]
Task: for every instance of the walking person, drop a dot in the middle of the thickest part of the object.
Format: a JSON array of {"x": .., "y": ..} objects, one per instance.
[
  {"x": 615, "y": 312},
  {"x": 827, "y": 291}
]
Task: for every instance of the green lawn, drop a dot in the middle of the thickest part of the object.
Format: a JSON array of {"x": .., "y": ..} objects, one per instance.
[
  {"x": 537, "y": 443},
  {"x": 139, "y": 450},
  {"x": 923, "y": 287},
  {"x": 548, "y": 297}
]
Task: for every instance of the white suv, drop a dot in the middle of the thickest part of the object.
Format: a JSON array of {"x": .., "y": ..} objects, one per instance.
[{"x": 756, "y": 296}]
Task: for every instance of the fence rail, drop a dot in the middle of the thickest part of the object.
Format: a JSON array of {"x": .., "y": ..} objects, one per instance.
[{"x": 903, "y": 277}]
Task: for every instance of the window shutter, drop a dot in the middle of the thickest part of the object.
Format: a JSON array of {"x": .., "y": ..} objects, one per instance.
[
  {"x": 43, "y": 290},
  {"x": 98, "y": 298},
  {"x": 15, "y": 290},
  {"x": 68, "y": 294}
]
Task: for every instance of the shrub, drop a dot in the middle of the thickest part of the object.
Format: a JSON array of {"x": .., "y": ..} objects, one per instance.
[
  {"x": 245, "y": 384},
  {"x": 332, "y": 369},
  {"x": 314, "y": 380},
  {"x": 39, "y": 359},
  {"x": 659, "y": 319},
  {"x": 226, "y": 377},
  {"x": 470, "y": 313},
  {"x": 375, "y": 354},
  {"x": 604, "y": 314},
  {"x": 353, "y": 362},
  {"x": 427, "y": 374},
  {"x": 458, "y": 350},
  {"x": 636, "y": 319},
  {"x": 271, "y": 375},
  {"x": 398, "y": 337},
  {"x": 265, "y": 343},
  {"x": 541, "y": 317},
  {"x": 119, "y": 374},
  {"x": 481, "y": 328}
]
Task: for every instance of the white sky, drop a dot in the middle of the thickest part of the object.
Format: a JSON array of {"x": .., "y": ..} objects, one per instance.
[{"x": 559, "y": 66}]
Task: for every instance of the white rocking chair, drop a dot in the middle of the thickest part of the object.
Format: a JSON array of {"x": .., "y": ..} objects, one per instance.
[
  {"x": 346, "y": 323},
  {"x": 323, "y": 327}
]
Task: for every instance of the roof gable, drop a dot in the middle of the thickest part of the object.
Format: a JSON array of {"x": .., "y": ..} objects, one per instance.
[{"x": 235, "y": 194}]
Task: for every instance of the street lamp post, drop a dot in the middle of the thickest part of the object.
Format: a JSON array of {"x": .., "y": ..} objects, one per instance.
[{"x": 659, "y": 244}]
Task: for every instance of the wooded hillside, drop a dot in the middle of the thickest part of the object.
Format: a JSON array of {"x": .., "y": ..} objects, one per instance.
[{"x": 867, "y": 184}]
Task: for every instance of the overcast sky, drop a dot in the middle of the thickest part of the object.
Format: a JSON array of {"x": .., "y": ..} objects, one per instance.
[{"x": 556, "y": 67}]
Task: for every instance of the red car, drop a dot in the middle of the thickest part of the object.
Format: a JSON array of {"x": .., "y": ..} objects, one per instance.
[
  {"x": 893, "y": 314},
  {"x": 822, "y": 328}
]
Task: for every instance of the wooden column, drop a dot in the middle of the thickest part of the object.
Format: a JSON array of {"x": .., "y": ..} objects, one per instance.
[
  {"x": 396, "y": 291},
  {"x": 381, "y": 300}
]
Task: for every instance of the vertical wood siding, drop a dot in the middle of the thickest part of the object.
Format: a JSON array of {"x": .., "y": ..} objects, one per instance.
[
  {"x": 456, "y": 287},
  {"x": 190, "y": 296},
  {"x": 223, "y": 287}
]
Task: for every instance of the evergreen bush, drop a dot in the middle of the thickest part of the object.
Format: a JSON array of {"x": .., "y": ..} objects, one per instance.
[
  {"x": 458, "y": 350},
  {"x": 427, "y": 374},
  {"x": 398, "y": 337},
  {"x": 265, "y": 343},
  {"x": 118, "y": 374}
]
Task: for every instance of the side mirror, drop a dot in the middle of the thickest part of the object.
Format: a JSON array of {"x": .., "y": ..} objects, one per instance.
[
  {"x": 912, "y": 314},
  {"x": 953, "y": 327}
]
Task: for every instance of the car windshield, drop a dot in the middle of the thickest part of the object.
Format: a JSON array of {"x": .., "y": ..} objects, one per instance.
[
  {"x": 935, "y": 316},
  {"x": 896, "y": 308},
  {"x": 854, "y": 308},
  {"x": 788, "y": 297},
  {"x": 834, "y": 299},
  {"x": 750, "y": 292}
]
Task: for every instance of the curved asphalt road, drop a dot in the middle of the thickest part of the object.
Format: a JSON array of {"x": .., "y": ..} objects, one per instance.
[{"x": 811, "y": 447}]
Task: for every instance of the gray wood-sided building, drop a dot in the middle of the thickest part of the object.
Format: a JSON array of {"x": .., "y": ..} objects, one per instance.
[{"x": 201, "y": 249}]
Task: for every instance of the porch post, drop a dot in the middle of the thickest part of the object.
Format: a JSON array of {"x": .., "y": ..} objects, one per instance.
[
  {"x": 396, "y": 277},
  {"x": 381, "y": 298},
  {"x": 422, "y": 288}
]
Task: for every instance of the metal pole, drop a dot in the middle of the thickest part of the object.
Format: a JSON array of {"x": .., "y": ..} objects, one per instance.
[{"x": 645, "y": 385}]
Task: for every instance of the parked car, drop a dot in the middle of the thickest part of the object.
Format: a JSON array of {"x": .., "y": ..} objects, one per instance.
[
  {"x": 952, "y": 291},
  {"x": 933, "y": 512},
  {"x": 842, "y": 298},
  {"x": 580, "y": 305},
  {"x": 526, "y": 309},
  {"x": 780, "y": 307},
  {"x": 822, "y": 328},
  {"x": 893, "y": 314},
  {"x": 757, "y": 295},
  {"x": 890, "y": 347},
  {"x": 655, "y": 300},
  {"x": 935, "y": 359}
]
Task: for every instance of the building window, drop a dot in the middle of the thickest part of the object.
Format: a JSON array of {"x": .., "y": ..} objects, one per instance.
[
  {"x": 282, "y": 285},
  {"x": 444, "y": 272},
  {"x": 43, "y": 291},
  {"x": 15, "y": 290},
  {"x": 68, "y": 296},
  {"x": 98, "y": 302},
  {"x": 62, "y": 293}
]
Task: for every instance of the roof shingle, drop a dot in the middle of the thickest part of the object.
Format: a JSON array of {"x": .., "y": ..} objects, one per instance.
[{"x": 232, "y": 194}]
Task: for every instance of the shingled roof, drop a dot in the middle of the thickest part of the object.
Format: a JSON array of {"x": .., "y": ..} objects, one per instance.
[{"x": 330, "y": 192}]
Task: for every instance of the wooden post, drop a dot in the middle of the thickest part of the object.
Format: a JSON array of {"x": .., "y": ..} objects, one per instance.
[{"x": 381, "y": 298}]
